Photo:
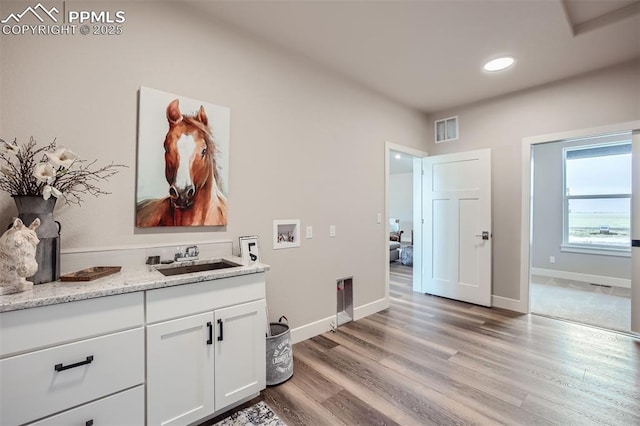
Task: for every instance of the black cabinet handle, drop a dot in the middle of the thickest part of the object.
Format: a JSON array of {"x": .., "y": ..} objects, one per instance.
[
  {"x": 60, "y": 367},
  {"x": 220, "y": 337},
  {"x": 89, "y": 423},
  {"x": 210, "y": 340}
]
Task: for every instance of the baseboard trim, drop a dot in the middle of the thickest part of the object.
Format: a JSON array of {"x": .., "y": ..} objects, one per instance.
[
  {"x": 515, "y": 305},
  {"x": 312, "y": 329},
  {"x": 323, "y": 325},
  {"x": 371, "y": 308},
  {"x": 588, "y": 278}
]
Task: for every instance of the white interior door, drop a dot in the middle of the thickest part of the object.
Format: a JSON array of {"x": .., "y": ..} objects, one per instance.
[
  {"x": 635, "y": 232},
  {"x": 457, "y": 226}
]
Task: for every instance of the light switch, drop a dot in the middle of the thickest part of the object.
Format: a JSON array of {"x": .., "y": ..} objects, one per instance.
[
  {"x": 332, "y": 231},
  {"x": 309, "y": 232},
  {"x": 379, "y": 218}
]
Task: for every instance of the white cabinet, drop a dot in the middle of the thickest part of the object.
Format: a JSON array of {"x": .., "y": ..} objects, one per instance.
[
  {"x": 202, "y": 362},
  {"x": 57, "y": 357},
  {"x": 180, "y": 370},
  {"x": 84, "y": 362},
  {"x": 124, "y": 408},
  {"x": 239, "y": 352}
]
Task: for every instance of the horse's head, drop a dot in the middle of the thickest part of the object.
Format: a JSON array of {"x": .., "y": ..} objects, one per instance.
[{"x": 188, "y": 154}]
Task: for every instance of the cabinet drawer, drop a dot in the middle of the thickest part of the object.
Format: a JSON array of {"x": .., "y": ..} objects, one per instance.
[
  {"x": 179, "y": 301},
  {"x": 48, "y": 381},
  {"x": 37, "y": 328},
  {"x": 124, "y": 408}
]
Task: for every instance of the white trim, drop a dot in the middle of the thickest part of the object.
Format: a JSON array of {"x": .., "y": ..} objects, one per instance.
[
  {"x": 370, "y": 308},
  {"x": 587, "y": 278},
  {"x": 312, "y": 329},
  {"x": 509, "y": 304},
  {"x": 323, "y": 325},
  {"x": 598, "y": 250},
  {"x": 635, "y": 232},
  {"x": 388, "y": 147},
  {"x": 525, "y": 219},
  {"x": 582, "y": 133},
  {"x": 141, "y": 246}
]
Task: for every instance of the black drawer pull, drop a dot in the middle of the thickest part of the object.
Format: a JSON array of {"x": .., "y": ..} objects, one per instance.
[
  {"x": 221, "y": 330},
  {"x": 89, "y": 423},
  {"x": 60, "y": 367},
  {"x": 210, "y": 341}
]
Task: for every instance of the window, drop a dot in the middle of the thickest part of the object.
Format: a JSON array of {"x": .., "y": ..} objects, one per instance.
[{"x": 597, "y": 197}]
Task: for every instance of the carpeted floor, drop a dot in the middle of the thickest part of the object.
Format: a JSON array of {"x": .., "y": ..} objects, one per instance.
[
  {"x": 258, "y": 414},
  {"x": 602, "y": 307}
]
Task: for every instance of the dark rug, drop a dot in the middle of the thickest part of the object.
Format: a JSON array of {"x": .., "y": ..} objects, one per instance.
[{"x": 256, "y": 415}]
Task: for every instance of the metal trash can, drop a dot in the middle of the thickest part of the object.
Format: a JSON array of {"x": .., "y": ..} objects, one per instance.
[{"x": 279, "y": 353}]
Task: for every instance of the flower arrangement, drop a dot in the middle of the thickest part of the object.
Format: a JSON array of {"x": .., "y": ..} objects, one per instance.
[{"x": 50, "y": 171}]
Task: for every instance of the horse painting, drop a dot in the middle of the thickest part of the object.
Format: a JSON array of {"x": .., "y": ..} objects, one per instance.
[{"x": 194, "y": 196}]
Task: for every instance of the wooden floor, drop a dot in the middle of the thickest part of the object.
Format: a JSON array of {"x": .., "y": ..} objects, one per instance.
[{"x": 428, "y": 360}]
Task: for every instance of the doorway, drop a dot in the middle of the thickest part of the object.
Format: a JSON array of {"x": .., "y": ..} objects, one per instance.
[
  {"x": 580, "y": 244},
  {"x": 450, "y": 238},
  {"x": 403, "y": 168},
  {"x": 528, "y": 226}
]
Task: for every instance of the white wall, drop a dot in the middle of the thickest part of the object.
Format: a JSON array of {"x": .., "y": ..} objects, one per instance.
[
  {"x": 401, "y": 202},
  {"x": 304, "y": 144},
  {"x": 595, "y": 99}
]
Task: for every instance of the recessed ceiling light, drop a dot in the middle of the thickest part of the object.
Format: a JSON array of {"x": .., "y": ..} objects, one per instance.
[{"x": 499, "y": 64}]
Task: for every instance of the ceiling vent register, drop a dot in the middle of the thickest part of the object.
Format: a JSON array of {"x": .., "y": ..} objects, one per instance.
[{"x": 446, "y": 129}]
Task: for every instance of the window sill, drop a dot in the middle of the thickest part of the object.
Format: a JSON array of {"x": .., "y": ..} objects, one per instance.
[{"x": 621, "y": 252}]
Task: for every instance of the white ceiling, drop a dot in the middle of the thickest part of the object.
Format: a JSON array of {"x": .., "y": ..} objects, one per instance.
[{"x": 428, "y": 54}]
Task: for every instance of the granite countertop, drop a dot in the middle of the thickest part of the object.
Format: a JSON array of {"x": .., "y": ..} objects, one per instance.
[{"x": 129, "y": 279}]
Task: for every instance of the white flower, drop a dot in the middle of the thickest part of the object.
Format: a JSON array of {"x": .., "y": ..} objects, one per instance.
[
  {"x": 48, "y": 191},
  {"x": 44, "y": 172},
  {"x": 62, "y": 158}
]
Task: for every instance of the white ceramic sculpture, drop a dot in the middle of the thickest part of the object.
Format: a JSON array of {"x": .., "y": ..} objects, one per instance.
[{"x": 18, "y": 257}]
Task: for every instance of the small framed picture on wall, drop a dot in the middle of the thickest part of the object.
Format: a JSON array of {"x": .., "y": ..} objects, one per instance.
[{"x": 249, "y": 251}]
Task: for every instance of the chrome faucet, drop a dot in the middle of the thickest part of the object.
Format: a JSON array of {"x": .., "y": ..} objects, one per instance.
[{"x": 190, "y": 253}]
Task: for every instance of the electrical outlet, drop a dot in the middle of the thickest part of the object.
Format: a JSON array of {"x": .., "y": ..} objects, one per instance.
[
  {"x": 309, "y": 232},
  {"x": 332, "y": 231},
  {"x": 552, "y": 259}
]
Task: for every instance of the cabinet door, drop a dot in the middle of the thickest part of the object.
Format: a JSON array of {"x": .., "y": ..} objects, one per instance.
[
  {"x": 240, "y": 352},
  {"x": 180, "y": 372}
]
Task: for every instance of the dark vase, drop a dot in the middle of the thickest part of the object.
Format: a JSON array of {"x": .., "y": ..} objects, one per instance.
[{"x": 31, "y": 207}]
